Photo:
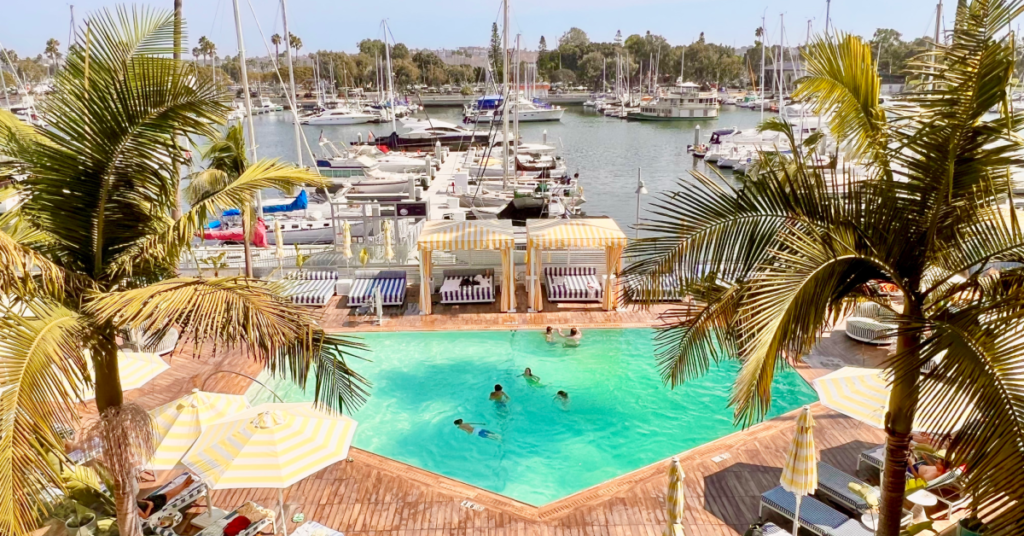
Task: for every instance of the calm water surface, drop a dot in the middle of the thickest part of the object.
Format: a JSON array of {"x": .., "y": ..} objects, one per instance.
[{"x": 605, "y": 151}]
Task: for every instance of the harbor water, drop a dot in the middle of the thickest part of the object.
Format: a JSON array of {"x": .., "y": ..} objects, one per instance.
[{"x": 605, "y": 151}]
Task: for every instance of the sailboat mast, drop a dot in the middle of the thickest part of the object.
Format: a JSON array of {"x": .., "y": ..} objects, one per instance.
[
  {"x": 505, "y": 89},
  {"x": 764, "y": 42},
  {"x": 291, "y": 82},
  {"x": 391, "y": 88},
  {"x": 252, "y": 131}
]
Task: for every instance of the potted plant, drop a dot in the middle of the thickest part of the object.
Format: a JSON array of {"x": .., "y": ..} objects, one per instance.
[
  {"x": 970, "y": 526},
  {"x": 81, "y": 523}
]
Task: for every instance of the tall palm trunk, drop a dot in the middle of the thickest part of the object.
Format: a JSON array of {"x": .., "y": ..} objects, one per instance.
[
  {"x": 899, "y": 423},
  {"x": 176, "y": 212}
]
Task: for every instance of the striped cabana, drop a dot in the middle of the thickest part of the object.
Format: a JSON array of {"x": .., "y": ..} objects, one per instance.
[
  {"x": 446, "y": 235},
  {"x": 580, "y": 233}
]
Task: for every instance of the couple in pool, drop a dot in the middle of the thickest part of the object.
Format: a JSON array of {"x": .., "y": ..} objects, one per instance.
[
  {"x": 501, "y": 397},
  {"x": 572, "y": 339}
]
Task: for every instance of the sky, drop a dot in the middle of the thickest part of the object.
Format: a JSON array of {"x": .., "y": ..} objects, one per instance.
[{"x": 340, "y": 24}]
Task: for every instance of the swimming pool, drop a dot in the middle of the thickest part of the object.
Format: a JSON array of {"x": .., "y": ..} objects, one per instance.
[{"x": 620, "y": 416}]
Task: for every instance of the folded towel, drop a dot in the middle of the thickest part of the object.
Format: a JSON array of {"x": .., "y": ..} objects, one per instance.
[
  {"x": 479, "y": 279},
  {"x": 450, "y": 285},
  {"x": 236, "y": 525},
  {"x": 558, "y": 281}
]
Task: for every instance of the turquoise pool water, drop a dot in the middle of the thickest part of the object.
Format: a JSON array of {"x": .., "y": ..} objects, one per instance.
[{"x": 620, "y": 416}]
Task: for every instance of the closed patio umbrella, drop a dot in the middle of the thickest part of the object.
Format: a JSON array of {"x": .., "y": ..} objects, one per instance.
[
  {"x": 389, "y": 248},
  {"x": 269, "y": 446},
  {"x": 346, "y": 240},
  {"x": 800, "y": 472},
  {"x": 674, "y": 500}
]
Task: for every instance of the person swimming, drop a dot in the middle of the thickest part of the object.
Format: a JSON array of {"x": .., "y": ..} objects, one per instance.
[
  {"x": 549, "y": 335},
  {"x": 562, "y": 397},
  {"x": 468, "y": 428},
  {"x": 499, "y": 395},
  {"x": 530, "y": 378},
  {"x": 573, "y": 338}
]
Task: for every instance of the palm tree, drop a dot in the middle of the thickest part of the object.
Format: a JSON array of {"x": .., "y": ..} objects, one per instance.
[
  {"x": 773, "y": 263},
  {"x": 295, "y": 43},
  {"x": 276, "y": 41},
  {"x": 91, "y": 249},
  {"x": 196, "y": 52},
  {"x": 52, "y": 51}
]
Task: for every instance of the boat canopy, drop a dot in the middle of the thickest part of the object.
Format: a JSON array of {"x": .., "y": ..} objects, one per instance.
[
  {"x": 301, "y": 202},
  {"x": 489, "y": 102}
]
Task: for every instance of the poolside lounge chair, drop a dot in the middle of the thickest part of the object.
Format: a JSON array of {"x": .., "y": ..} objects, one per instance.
[
  {"x": 184, "y": 499},
  {"x": 573, "y": 283},
  {"x": 452, "y": 290},
  {"x": 946, "y": 488},
  {"x": 771, "y": 529},
  {"x": 815, "y": 516},
  {"x": 217, "y": 528},
  {"x": 392, "y": 285},
  {"x": 834, "y": 485},
  {"x": 314, "y": 288},
  {"x": 870, "y": 323}
]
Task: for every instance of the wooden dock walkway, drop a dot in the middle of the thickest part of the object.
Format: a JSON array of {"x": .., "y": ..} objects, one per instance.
[{"x": 373, "y": 495}]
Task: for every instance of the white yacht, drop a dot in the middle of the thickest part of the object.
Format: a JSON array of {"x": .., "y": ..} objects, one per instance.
[
  {"x": 683, "y": 102},
  {"x": 340, "y": 116},
  {"x": 489, "y": 109}
]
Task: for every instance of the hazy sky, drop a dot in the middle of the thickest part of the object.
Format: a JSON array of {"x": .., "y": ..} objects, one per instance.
[{"x": 339, "y": 25}]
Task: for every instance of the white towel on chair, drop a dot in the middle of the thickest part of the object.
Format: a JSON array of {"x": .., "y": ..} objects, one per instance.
[
  {"x": 451, "y": 285},
  {"x": 558, "y": 281}
]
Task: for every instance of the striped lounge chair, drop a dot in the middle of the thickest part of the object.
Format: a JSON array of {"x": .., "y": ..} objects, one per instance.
[
  {"x": 314, "y": 288},
  {"x": 771, "y": 529},
  {"x": 217, "y": 528},
  {"x": 184, "y": 499},
  {"x": 815, "y": 516},
  {"x": 834, "y": 485},
  {"x": 573, "y": 283},
  {"x": 452, "y": 292},
  {"x": 392, "y": 285}
]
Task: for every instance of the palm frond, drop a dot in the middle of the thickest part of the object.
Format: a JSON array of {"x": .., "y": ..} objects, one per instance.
[
  {"x": 698, "y": 335},
  {"x": 108, "y": 172},
  {"x": 236, "y": 312},
  {"x": 842, "y": 81},
  {"x": 41, "y": 365}
]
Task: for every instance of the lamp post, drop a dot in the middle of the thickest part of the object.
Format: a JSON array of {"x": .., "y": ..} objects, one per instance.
[{"x": 640, "y": 190}]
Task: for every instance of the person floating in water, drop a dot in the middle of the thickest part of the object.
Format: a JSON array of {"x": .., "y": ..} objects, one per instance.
[
  {"x": 498, "y": 395},
  {"x": 468, "y": 428},
  {"x": 530, "y": 378},
  {"x": 549, "y": 335},
  {"x": 573, "y": 338},
  {"x": 563, "y": 397}
]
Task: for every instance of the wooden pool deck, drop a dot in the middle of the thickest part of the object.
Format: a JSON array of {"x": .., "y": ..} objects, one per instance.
[{"x": 373, "y": 495}]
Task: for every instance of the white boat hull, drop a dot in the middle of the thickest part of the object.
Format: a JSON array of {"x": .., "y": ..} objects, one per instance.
[{"x": 340, "y": 120}]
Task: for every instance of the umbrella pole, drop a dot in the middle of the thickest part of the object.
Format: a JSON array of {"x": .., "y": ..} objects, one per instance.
[
  {"x": 280, "y": 500},
  {"x": 796, "y": 518}
]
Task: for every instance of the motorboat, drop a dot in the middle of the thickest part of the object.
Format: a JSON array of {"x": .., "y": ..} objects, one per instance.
[
  {"x": 685, "y": 101},
  {"x": 340, "y": 116},
  {"x": 425, "y": 138},
  {"x": 489, "y": 109}
]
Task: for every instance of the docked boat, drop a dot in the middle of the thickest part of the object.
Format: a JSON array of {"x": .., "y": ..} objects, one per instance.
[
  {"x": 488, "y": 109},
  {"x": 340, "y": 116},
  {"x": 425, "y": 138},
  {"x": 683, "y": 102},
  {"x": 362, "y": 173}
]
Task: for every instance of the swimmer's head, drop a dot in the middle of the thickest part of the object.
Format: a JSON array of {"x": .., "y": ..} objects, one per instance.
[
  {"x": 573, "y": 331},
  {"x": 497, "y": 388},
  {"x": 528, "y": 372},
  {"x": 458, "y": 422},
  {"x": 563, "y": 394},
  {"x": 548, "y": 330}
]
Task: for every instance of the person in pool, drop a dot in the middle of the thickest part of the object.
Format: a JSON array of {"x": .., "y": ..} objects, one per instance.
[
  {"x": 468, "y": 428},
  {"x": 549, "y": 335},
  {"x": 563, "y": 397},
  {"x": 530, "y": 378},
  {"x": 573, "y": 338},
  {"x": 499, "y": 395}
]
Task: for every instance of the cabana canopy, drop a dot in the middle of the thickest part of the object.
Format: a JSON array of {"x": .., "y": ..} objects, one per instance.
[
  {"x": 446, "y": 235},
  {"x": 583, "y": 233}
]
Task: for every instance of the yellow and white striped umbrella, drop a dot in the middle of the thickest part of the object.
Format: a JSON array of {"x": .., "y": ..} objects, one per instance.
[
  {"x": 863, "y": 394},
  {"x": 466, "y": 235},
  {"x": 269, "y": 446},
  {"x": 134, "y": 368},
  {"x": 674, "y": 500},
  {"x": 178, "y": 424},
  {"x": 578, "y": 233},
  {"x": 389, "y": 248},
  {"x": 346, "y": 240},
  {"x": 800, "y": 472},
  {"x": 278, "y": 240}
]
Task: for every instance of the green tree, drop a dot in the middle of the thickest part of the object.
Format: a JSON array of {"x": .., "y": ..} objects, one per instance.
[
  {"x": 431, "y": 67},
  {"x": 52, "y": 51},
  {"x": 91, "y": 248},
  {"x": 295, "y": 43},
  {"x": 496, "y": 54},
  {"x": 371, "y": 47},
  {"x": 777, "y": 260},
  {"x": 277, "y": 42},
  {"x": 591, "y": 67},
  {"x": 399, "y": 52},
  {"x": 542, "y": 47}
]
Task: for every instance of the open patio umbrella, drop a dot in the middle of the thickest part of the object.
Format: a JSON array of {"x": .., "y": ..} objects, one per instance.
[
  {"x": 178, "y": 424},
  {"x": 269, "y": 446},
  {"x": 800, "y": 472},
  {"x": 674, "y": 500},
  {"x": 863, "y": 394},
  {"x": 135, "y": 369}
]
